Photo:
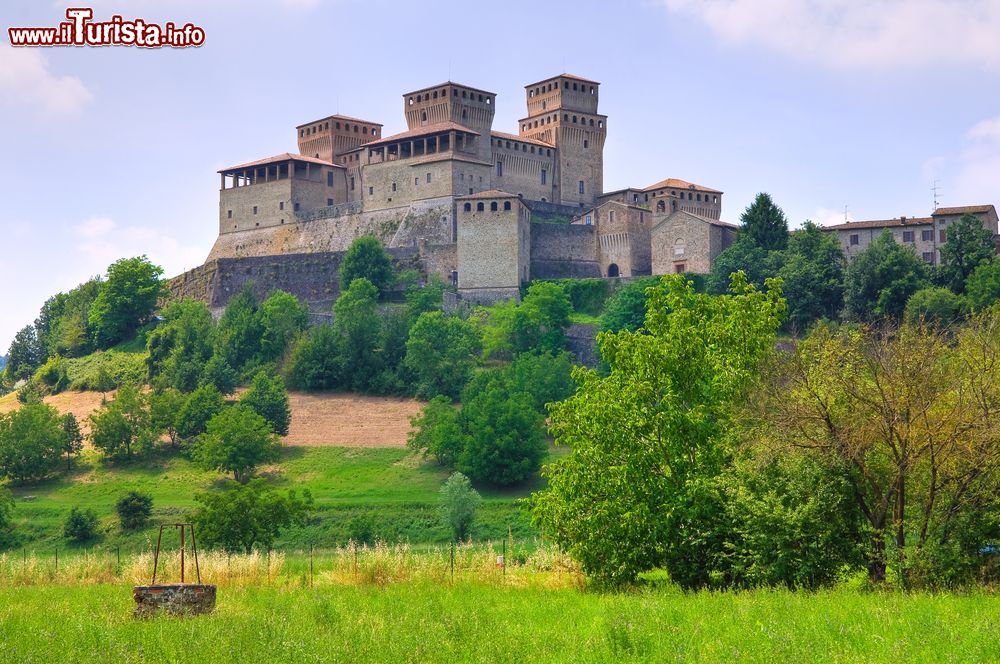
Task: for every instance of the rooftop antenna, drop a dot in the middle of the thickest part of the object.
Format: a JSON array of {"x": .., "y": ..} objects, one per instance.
[
  {"x": 935, "y": 189},
  {"x": 845, "y": 214}
]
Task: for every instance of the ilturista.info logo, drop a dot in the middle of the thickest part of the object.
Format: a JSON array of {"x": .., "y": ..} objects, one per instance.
[{"x": 81, "y": 30}]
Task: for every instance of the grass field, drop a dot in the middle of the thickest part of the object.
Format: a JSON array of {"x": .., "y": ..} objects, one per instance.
[
  {"x": 488, "y": 623},
  {"x": 360, "y": 493}
]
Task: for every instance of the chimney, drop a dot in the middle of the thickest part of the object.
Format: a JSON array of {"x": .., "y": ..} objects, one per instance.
[{"x": 902, "y": 220}]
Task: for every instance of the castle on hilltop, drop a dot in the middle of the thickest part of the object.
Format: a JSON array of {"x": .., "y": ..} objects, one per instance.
[{"x": 484, "y": 209}]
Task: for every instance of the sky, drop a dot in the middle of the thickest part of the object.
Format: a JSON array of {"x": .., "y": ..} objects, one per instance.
[{"x": 112, "y": 152}]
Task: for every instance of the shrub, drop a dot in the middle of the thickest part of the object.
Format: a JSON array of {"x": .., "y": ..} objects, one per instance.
[
  {"x": 32, "y": 441},
  {"x": 134, "y": 510},
  {"x": 248, "y": 516},
  {"x": 80, "y": 525},
  {"x": 626, "y": 309},
  {"x": 586, "y": 295},
  {"x": 441, "y": 352},
  {"x": 201, "y": 406},
  {"x": 268, "y": 398},
  {"x": 437, "y": 433},
  {"x": 366, "y": 259},
  {"x": 935, "y": 306},
  {"x": 457, "y": 505},
  {"x": 315, "y": 362},
  {"x": 505, "y": 441}
]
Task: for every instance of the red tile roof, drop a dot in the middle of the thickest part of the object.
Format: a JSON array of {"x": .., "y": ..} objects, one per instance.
[
  {"x": 967, "y": 209},
  {"x": 675, "y": 183},
  {"x": 880, "y": 223},
  {"x": 340, "y": 117},
  {"x": 279, "y": 158},
  {"x": 523, "y": 139},
  {"x": 436, "y": 128}
]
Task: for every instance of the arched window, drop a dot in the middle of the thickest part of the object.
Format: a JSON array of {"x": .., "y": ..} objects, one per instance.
[
  {"x": 493, "y": 206},
  {"x": 679, "y": 246},
  {"x": 661, "y": 206},
  {"x": 506, "y": 204},
  {"x": 468, "y": 207},
  {"x": 423, "y": 115},
  {"x": 480, "y": 207},
  {"x": 611, "y": 216},
  {"x": 613, "y": 270}
]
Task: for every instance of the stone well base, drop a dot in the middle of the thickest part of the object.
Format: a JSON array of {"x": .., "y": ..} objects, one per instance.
[{"x": 175, "y": 599}]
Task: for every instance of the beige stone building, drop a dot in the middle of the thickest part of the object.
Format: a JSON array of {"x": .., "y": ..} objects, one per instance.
[
  {"x": 687, "y": 242},
  {"x": 924, "y": 235}
]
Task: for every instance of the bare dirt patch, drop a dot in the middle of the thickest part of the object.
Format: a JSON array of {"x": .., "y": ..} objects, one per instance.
[
  {"x": 81, "y": 404},
  {"x": 350, "y": 420}
]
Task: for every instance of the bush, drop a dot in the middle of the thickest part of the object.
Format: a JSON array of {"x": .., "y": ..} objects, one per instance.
[
  {"x": 437, "y": 433},
  {"x": 315, "y": 362},
  {"x": 457, "y": 505},
  {"x": 244, "y": 517},
  {"x": 586, "y": 295},
  {"x": 134, "y": 510},
  {"x": 268, "y": 398},
  {"x": 935, "y": 306},
  {"x": 366, "y": 259},
  {"x": 441, "y": 352},
  {"x": 983, "y": 286},
  {"x": 505, "y": 437},
  {"x": 6, "y": 509},
  {"x": 80, "y": 525},
  {"x": 32, "y": 442},
  {"x": 626, "y": 309},
  {"x": 201, "y": 406}
]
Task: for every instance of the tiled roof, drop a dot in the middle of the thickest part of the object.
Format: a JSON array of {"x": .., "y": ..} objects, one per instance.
[
  {"x": 340, "y": 117},
  {"x": 523, "y": 139},
  {"x": 492, "y": 193},
  {"x": 967, "y": 209},
  {"x": 675, "y": 183},
  {"x": 435, "y": 128},
  {"x": 572, "y": 77},
  {"x": 277, "y": 158},
  {"x": 447, "y": 84},
  {"x": 880, "y": 223}
]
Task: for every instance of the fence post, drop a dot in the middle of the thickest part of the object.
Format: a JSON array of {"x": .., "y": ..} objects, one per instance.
[
  {"x": 504, "y": 568},
  {"x": 453, "y": 561},
  {"x": 355, "y": 562}
]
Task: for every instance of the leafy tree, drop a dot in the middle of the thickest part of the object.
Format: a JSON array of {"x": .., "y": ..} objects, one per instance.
[
  {"x": 200, "y": 407},
  {"x": 181, "y": 345},
  {"x": 544, "y": 377},
  {"x": 757, "y": 263},
  {"x": 366, "y": 259},
  {"x": 239, "y": 332},
  {"x": 72, "y": 437},
  {"x": 437, "y": 432},
  {"x": 505, "y": 441},
  {"x": 80, "y": 525},
  {"x": 812, "y": 276},
  {"x": 457, "y": 505},
  {"x": 424, "y": 297},
  {"x": 626, "y": 309},
  {"x": 134, "y": 510},
  {"x": 315, "y": 361},
  {"x": 125, "y": 301},
  {"x": 936, "y": 306},
  {"x": 123, "y": 427},
  {"x": 282, "y": 318},
  {"x": 395, "y": 377},
  {"x": 357, "y": 325},
  {"x": 6, "y": 509},
  {"x": 30, "y": 393},
  {"x": 983, "y": 287},
  {"x": 236, "y": 441},
  {"x": 248, "y": 516},
  {"x": 764, "y": 225},
  {"x": 219, "y": 374},
  {"x": 441, "y": 352},
  {"x": 648, "y": 440},
  {"x": 31, "y": 443},
  {"x": 164, "y": 407},
  {"x": 881, "y": 279},
  {"x": 968, "y": 244},
  {"x": 63, "y": 325},
  {"x": 268, "y": 398},
  {"x": 53, "y": 375},
  {"x": 541, "y": 321},
  {"x": 24, "y": 355}
]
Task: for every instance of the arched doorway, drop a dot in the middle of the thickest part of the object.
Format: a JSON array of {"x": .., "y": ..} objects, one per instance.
[{"x": 613, "y": 270}]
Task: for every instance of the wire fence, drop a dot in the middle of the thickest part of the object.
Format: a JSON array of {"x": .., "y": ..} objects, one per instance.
[{"x": 508, "y": 562}]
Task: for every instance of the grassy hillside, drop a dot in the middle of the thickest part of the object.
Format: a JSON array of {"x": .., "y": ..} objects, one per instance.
[{"x": 360, "y": 493}]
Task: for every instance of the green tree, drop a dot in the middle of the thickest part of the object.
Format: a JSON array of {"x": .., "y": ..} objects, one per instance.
[
  {"x": 282, "y": 318},
  {"x": 441, "y": 352},
  {"x": 164, "y": 406},
  {"x": 220, "y": 374},
  {"x": 236, "y": 441},
  {"x": 541, "y": 321},
  {"x": 24, "y": 355},
  {"x": 757, "y": 263},
  {"x": 543, "y": 377},
  {"x": 983, "y": 287},
  {"x": 366, "y": 259},
  {"x": 197, "y": 410},
  {"x": 134, "y": 509},
  {"x": 123, "y": 427},
  {"x": 268, "y": 398},
  {"x": 80, "y": 525},
  {"x": 505, "y": 437},
  {"x": 72, "y": 438},
  {"x": 64, "y": 322},
  {"x": 239, "y": 332},
  {"x": 936, "y": 306},
  {"x": 812, "y": 276},
  {"x": 436, "y": 432},
  {"x": 357, "y": 325},
  {"x": 6, "y": 509},
  {"x": 125, "y": 301},
  {"x": 247, "y": 516},
  {"x": 457, "y": 505},
  {"x": 647, "y": 440},
  {"x": 764, "y": 224},
  {"x": 968, "y": 244},
  {"x": 181, "y": 345},
  {"x": 315, "y": 362},
  {"x": 626, "y": 309},
  {"x": 424, "y": 297},
  {"x": 32, "y": 442},
  {"x": 880, "y": 280}
]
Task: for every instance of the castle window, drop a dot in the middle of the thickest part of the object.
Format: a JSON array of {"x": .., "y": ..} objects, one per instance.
[
  {"x": 296, "y": 207},
  {"x": 698, "y": 196},
  {"x": 468, "y": 207},
  {"x": 394, "y": 186},
  {"x": 435, "y": 94},
  {"x": 600, "y": 124},
  {"x": 489, "y": 100},
  {"x": 329, "y": 178},
  {"x": 565, "y": 85},
  {"x": 480, "y": 207},
  {"x": 715, "y": 199},
  {"x": 355, "y": 129},
  {"x": 461, "y": 177},
  {"x": 661, "y": 207},
  {"x": 371, "y": 191},
  {"x": 574, "y": 119},
  {"x": 508, "y": 145},
  {"x": 581, "y": 186},
  {"x": 589, "y": 221},
  {"x": 532, "y": 149},
  {"x": 689, "y": 195},
  {"x": 229, "y": 215},
  {"x": 411, "y": 101},
  {"x": 854, "y": 239},
  {"x": 611, "y": 215},
  {"x": 416, "y": 182},
  {"x": 493, "y": 206},
  {"x": 329, "y": 201},
  {"x": 679, "y": 246},
  {"x": 423, "y": 116},
  {"x": 255, "y": 209},
  {"x": 506, "y": 205},
  {"x": 454, "y": 92},
  {"x": 499, "y": 169},
  {"x": 281, "y": 205},
  {"x": 301, "y": 133},
  {"x": 592, "y": 90},
  {"x": 591, "y": 122},
  {"x": 464, "y": 95},
  {"x": 927, "y": 236},
  {"x": 352, "y": 183},
  {"x": 544, "y": 174},
  {"x": 586, "y": 143},
  {"x": 566, "y": 117},
  {"x": 428, "y": 177},
  {"x": 338, "y": 124},
  {"x": 373, "y": 131}
]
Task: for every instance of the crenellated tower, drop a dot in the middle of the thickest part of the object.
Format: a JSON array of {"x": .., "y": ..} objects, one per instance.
[{"x": 452, "y": 102}]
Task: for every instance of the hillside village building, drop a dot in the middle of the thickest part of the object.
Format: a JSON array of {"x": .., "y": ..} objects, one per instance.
[
  {"x": 485, "y": 209},
  {"x": 924, "y": 234}
]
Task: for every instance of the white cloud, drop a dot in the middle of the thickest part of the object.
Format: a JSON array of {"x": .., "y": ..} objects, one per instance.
[
  {"x": 25, "y": 80},
  {"x": 95, "y": 227},
  {"x": 827, "y": 217},
  {"x": 858, "y": 34},
  {"x": 978, "y": 173}
]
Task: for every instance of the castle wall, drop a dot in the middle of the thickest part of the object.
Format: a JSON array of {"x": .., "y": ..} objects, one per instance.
[
  {"x": 563, "y": 250},
  {"x": 522, "y": 166},
  {"x": 493, "y": 244},
  {"x": 623, "y": 239},
  {"x": 683, "y": 243}
]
